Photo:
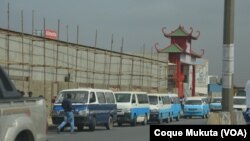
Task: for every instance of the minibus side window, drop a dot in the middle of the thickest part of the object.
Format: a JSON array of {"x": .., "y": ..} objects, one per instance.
[
  {"x": 92, "y": 98},
  {"x": 133, "y": 99},
  {"x": 142, "y": 98},
  {"x": 110, "y": 97},
  {"x": 160, "y": 100},
  {"x": 101, "y": 97},
  {"x": 166, "y": 100}
]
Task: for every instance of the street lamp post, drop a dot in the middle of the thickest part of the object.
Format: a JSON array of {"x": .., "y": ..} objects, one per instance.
[{"x": 228, "y": 57}]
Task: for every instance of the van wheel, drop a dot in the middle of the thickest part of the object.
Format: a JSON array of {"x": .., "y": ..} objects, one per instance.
[
  {"x": 171, "y": 117},
  {"x": 133, "y": 123},
  {"x": 145, "y": 122},
  {"x": 178, "y": 117},
  {"x": 80, "y": 127},
  {"x": 62, "y": 129},
  {"x": 167, "y": 120},
  {"x": 119, "y": 123},
  {"x": 207, "y": 115},
  {"x": 160, "y": 119},
  {"x": 92, "y": 124},
  {"x": 110, "y": 123},
  {"x": 203, "y": 116}
]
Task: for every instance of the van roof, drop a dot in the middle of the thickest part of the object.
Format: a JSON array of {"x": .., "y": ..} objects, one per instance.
[
  {"x": 154, "y": 94},
  {"x": 87, "y": 89},
  {"x": 196, "y": 98},
  {"x": 135, "y": 92},
  {"x": 240, "y": 97},
  {"x": 169, "y": 94}
]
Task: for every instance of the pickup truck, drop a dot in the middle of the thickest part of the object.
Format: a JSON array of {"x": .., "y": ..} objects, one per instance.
[{"x": 21, "y": 118}]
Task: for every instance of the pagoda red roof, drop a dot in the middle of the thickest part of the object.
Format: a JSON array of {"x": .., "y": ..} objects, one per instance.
[
  {"x": 175, "y": 48},
  {"x": 180, "y": 31}
]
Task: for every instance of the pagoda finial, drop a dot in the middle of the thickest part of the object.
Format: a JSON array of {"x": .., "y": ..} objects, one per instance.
[
  {"x": 165, "y": 34},
  {"x": 157, "y": 49}
]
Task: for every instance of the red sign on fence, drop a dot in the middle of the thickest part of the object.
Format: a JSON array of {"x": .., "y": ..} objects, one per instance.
[{"x": 50, "y": 34}]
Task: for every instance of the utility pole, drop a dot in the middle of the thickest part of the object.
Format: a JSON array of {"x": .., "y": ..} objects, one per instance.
[{"x": 228, "y": 57}]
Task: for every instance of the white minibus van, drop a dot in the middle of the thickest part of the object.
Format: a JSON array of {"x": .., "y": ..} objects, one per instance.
[
  {"x": 132, "y": 107},
  {"x": 160, "y": 108}
]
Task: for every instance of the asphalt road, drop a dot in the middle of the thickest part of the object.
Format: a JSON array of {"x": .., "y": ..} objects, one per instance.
[{"x": 124, "y": 133}]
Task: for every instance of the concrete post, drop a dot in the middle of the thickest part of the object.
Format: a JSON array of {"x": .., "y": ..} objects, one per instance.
[{"x": 228, "y": 57}]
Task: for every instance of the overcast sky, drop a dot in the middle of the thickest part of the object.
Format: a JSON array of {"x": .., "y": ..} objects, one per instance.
[{"x": 139, "y": 22}]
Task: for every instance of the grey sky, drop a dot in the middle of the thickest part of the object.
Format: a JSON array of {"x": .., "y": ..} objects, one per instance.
[{"x": 139, "y": 22}]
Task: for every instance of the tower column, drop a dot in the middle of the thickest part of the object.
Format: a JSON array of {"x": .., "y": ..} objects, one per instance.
[
  {"x": 179, "y": 79},
  {"x": 193, "y": 81}
]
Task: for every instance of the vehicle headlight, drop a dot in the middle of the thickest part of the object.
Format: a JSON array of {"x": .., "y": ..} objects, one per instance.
[{"x": 84, "y": 112}]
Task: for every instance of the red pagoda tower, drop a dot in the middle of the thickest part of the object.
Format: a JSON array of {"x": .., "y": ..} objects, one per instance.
[{"x": 180, "y": 53}]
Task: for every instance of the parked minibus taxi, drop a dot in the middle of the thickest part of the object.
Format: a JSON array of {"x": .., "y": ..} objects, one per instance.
[
  {"x": 91, "y": 107},
  {"x": 160, "y": 108},
  {"x": 196, "y": 106},
  {"x": 132, "y": 107}
]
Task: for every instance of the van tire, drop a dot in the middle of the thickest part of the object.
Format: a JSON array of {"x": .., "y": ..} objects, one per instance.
[
  {"x": 80, "y": 127},
  {"x": 62, "y": 129},
  {"x": 92, "y": 124},
  {"x": 171, "y": 117},
  {"x": 167, "y": 120},
  {"x": 110, "y": 123},
  {"x": 119, "y": 123},
  {"x": 178, "y": 117},
  {"x": 145, "y": 121},
  {"x": 204, "y": 116},
  {"x": 160, "y": 119},
  {"x": 134, "y": 121},
  {"x": 207, "y": 115}
]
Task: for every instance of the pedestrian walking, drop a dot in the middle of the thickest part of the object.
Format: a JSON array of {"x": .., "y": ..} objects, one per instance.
[
  {"x": 68, "y": 114},
  {"x": 182, "y": 102}
]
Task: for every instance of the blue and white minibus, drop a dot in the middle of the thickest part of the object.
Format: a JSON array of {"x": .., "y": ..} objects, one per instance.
[
  {"x": 91, "y": 107},
  {"x": 132, "y": 107}
]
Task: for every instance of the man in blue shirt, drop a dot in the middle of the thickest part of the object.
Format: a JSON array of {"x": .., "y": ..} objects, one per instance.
[{"x": 68, "y": 114}]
